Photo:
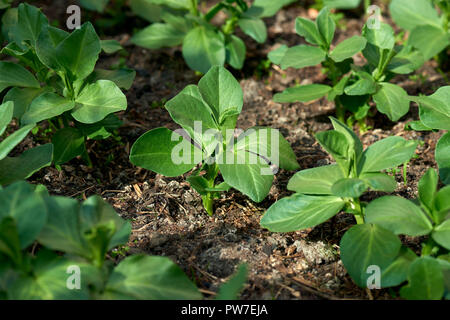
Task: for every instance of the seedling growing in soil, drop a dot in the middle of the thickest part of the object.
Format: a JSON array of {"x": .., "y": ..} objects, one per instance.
[
  {"x": 324, "y": 191},
  {"x": 434, "y": 112},
  {"x": 429, "y": 31},
  {"x": 62, "y": 86},
  {"x": 429, "y": 216},
  {"x": 351, "y": 87},
  {"x": 204, "y": 44},
  {"x": 208, "y": 114},
  {"x": 21, "y": 167},
  {"x": 85, "y": 233}
]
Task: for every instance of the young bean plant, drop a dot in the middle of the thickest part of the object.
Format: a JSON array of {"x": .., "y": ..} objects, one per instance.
[
  {"x": 54, "y": 80},
  {"x": 351, "y": 87},
  {"x": 434, "y": 113},
  {"x": 428, "y": 30},
  {"x": 322, "y": 192},
  {"x": 84, "y": 233},
  {"x": 21, "y": 167},
  {"x": 182, "y": 22},
  {"x": 427, "y": 274},
  {"x": 208, "y": 114}
]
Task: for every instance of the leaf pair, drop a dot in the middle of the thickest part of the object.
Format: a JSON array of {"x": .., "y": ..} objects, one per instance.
[{"x": 322, "y": 192}]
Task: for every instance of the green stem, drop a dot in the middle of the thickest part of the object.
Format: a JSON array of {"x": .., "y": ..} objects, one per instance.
[
  {"x": 340, "y": 111},
  {"x": 194, "y": 8},
  {"x": 208, "y": 203},
  {"x": 359, "y": 216},
  {"x": 383, "y": 63}
]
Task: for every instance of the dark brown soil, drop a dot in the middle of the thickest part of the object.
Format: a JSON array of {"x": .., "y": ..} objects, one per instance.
[{"x": 167, "y": 215}]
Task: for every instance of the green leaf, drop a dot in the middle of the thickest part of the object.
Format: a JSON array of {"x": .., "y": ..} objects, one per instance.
[
  {"x": 427, "y": 188},
  {"x": 11, "y": 141},
  {"x": 25, "y": 165},
  {"x": 406, "y": 61},
  {"x": 154, "y": 151},
  {"x": 300, "y": 211},
  {"x": 409, "y": 14},
  {"x": 98, "y": 100},
  {"x": 382, "y": 37},
  {"x": 123, "y": 78},
  {"x": 387, "y": 153},
  {"x": 392, "y": 100},
  {"x": 326, "y": 25},
  {"x": 78, "y": 53},
  {"x": 68, "y": 143},
  {"x": 102, "y": 129},
  {"x": 146, "y": 9},
  {"x": 315, "y": 181},
  {"x": 97, "y": 216},
  {"x": 252, "y": 178},
  {"x": 203, "y": 48},
  {"x": 348, "y": 48},
  {"x": 397, "y": 271},
  {"x": 351, "y": 137},
  {"x": 430, "y": 40},
  {"x": 337, "y": 145},
  {"x": 304, "y": 93},
  {"x": 277, "y": 55},
  {"x": 14, "y": 75},
  {"x": 366, "y": 245},
  {"x": 342, "y": 4},
  {"x": 349, "y": 188},
  {"x": 441, "y": 206},
  {"x": 22, "y": 99},
  {"x": 398, "y": 215},
  {"x": 47, "y": 44},
  {"x": 62, "y": 231},
  {"x": 302, "y": 56},
  {"x": 441, "y": 234},
  {"x": 158, "y": 35},
  {"x": 189, "y": 112},
  {"x": 235, "y": 52},
  {"x": 366, "y": 84},
  {"x": 27, "y": 208},
  {"x": 425, "y": 280},
  {"x": 221, "y": 91},
  {"x": 6, "y": 114},
  {"x": 9, "y": 241},
  {"x": 49, "y": 280},
  {"x": 110, "y": 46},
  {"x": 47, "y": 106},
  {"x": 143, "y": 277},
  {"x": 254, "y": 28},
  {"x": 30, "y": 23},
  {"x": 379, "y": 181},
  {"x": 230, "y": 290},
  {"x": 308, "y": 29},
  {"x": 442, "y": 157},
  {"x": 270, "y": 144},
  {"x": 434, "y": 110}
]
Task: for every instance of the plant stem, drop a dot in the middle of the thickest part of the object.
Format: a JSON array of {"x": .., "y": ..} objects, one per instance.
[
  {"x": 359, "y": 216},
  {"x": 340, "y": 111},
  {"x": 208, "y": 203},
  {"x": 194, "y": 8}
]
